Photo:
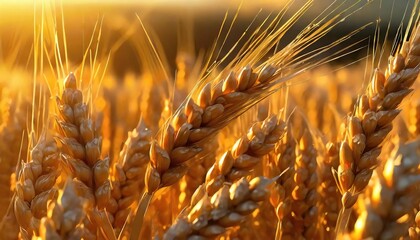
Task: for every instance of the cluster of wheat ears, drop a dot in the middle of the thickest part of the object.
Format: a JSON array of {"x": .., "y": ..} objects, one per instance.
[{"x": 268, "y": 141}]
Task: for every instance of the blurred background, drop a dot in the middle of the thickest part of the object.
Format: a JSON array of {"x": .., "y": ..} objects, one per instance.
[{"x": 174, "y": 26}]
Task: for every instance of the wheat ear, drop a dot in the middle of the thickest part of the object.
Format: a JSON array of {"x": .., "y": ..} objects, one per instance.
[
  {"x": 81, "y": 147},
  {"x": 243, "y": 83},
  {"x": 330, "y": 196},
  {"x": 35, "y": 186},
  {"x": 11, "y": 129},
  {"x": 304, "y": 194},
  {"x": 282, "y": 161},
  {"x": 393, "y": 195},
  {"x": 65, "y": 216},
  {"x": 196, "y": 174},
  {"x": 245, "y": 154},
  {"x": 371, "y": 122},
  {"x": 196, "y": 123},
  {"x": 14, "y": 144},
  {"x": 208, "y": 217},
  {"x": 128, "y": 173}
]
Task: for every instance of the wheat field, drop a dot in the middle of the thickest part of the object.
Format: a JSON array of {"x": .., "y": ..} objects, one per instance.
[{"x": 210, "y": 120}]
